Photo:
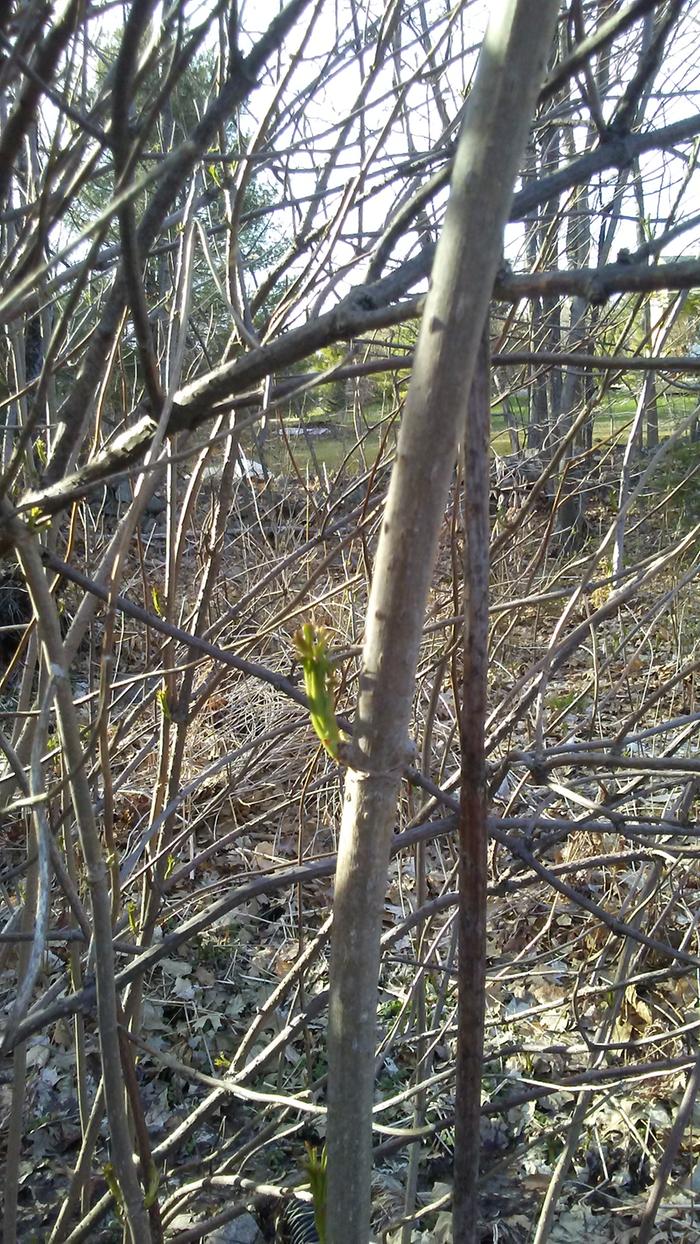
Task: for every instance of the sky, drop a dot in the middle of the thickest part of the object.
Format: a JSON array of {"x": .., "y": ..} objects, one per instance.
[{"x": 430, "y": 72}]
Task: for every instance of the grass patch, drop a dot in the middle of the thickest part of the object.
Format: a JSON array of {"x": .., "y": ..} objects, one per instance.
[{"x": 332, "y": 439}]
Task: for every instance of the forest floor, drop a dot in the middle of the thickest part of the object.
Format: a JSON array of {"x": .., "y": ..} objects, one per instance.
[{"x": 590, "y": 1027}]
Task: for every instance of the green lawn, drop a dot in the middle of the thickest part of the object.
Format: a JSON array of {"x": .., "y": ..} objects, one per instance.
[{"x": 339, "y": 446}]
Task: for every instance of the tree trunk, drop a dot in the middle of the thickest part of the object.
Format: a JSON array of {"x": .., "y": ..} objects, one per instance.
[
  {"x": 490, "y": 148},
  {"x": 473, "y": 834}
]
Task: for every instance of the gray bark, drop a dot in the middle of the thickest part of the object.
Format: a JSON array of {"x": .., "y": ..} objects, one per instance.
[{"x": 490, "y": 148}]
